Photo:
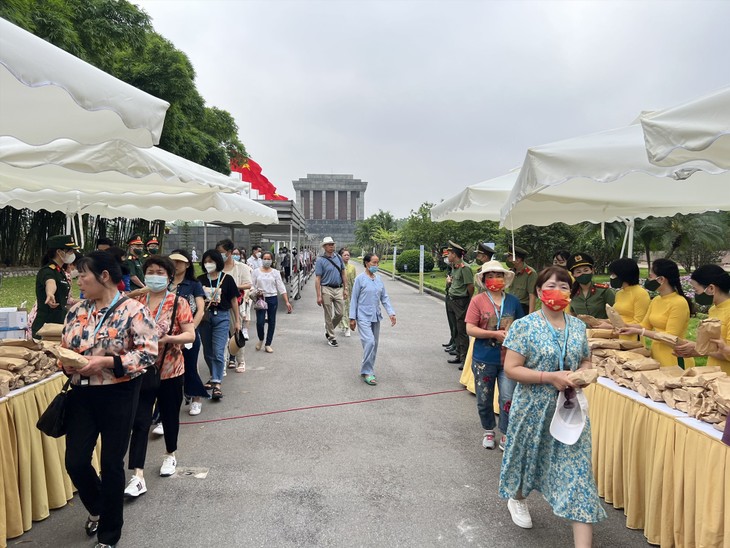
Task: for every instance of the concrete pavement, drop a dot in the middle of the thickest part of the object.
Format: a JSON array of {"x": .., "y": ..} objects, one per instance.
[{"x": 389, "y": 472}]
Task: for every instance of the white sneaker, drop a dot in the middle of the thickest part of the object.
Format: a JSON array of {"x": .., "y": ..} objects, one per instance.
[
  {"x": 488, "y": 439},
  {"x": 520, "y": 513},
  {"x": 158, "y": 430},
  {"x": 269, "y": 349},
  {"x": 168, "y": 466},
  {"x": 195, "y": 408},
  {"x": 259, "y": 345},
  {"x": 348, "y": 333},
  {"x": 135, "y": 487}
]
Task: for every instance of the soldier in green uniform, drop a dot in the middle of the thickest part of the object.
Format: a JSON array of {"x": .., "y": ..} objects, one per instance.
[
  {"x": 450, "y": 347},
  {"x": 153, "y": 247},
  {"x": 484, "y": 253},
  {"x": 588, "y": 297},
  {"x": 134, "y": 264},
  {"x": 52, "y": 287},
  {"x": 523, "y": 286},
  {"x": 461, "y": 289}
]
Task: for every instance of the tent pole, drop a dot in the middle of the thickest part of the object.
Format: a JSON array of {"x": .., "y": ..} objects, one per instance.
[
  {"x": 205, "y": 236},
  {"x": 626, "y": 235},
  {"x": 632, "y": 225}
]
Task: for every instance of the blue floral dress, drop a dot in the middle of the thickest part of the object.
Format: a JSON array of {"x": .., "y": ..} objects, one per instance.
[{"x": 533, "y": 459}]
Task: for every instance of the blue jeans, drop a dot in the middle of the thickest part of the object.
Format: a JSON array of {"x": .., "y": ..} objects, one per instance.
[
  {"x": 214, "y": 336},
  {"x": 369, "y": 337},
  {"x": 485, "y": 376},
  {"x": 267, "y": 316}
]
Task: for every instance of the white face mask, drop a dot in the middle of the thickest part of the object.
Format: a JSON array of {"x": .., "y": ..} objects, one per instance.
[
  {"x": 69, "y": 258},
  {"x": 266, "y": 263},
  {"x": 210, "y": 267},
  {"x": 258, "y": 254}
]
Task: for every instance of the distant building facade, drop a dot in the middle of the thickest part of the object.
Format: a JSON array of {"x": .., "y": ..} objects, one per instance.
[{"x": 331, "y": 205}]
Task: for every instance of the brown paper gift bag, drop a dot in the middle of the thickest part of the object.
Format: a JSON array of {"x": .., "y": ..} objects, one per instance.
[
  {"x": 709, "y": 328},
  {"x": 614, "y": 317}
]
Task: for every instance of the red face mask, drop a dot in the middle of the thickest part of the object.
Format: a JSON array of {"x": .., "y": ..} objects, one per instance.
[
  {"x": 494, "y": 284},
  {"x": 555, "y": 299}
]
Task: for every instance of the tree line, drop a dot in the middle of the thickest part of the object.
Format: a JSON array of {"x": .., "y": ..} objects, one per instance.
[{"x": 118, "y": 37}]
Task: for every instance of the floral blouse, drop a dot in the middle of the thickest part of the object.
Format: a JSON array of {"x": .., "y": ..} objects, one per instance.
[
  {"x": 174, "y": 364},
  {"x": 128, "y": 332}
]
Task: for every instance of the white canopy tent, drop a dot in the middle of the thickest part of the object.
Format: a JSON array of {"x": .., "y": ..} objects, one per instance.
[
  {"x": 606, "y": 177},
  {"x": 695, "y": 130},
  {"x": 479, "y": 202},
  {"x": 47, "y": 93},
  {"x": 210, "y": 207},
  {"x": 114, "y": 165}
]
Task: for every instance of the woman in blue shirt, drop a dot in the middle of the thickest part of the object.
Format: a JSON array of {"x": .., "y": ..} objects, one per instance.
[{"x": 368, "y": 294}]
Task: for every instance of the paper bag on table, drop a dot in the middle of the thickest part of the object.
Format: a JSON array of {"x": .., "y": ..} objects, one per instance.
[
  {"x": 642, "y": 364},
  {"x": 614, "y": 317},
  {"x": 601, "y": 334},
  {"x": 50, "y": 331},
  {"x": 669, "y": 377},
  {"x": 30, "y": 344},
  {"x": 709, "y": 328},
  {"x": 16, "y": 352},
  {"x": 12, "y": 364}
]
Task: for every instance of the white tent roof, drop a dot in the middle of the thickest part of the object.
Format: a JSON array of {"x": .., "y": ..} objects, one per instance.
[
  {"x": 212, "y": 206},
  {"x": 695, "y": 130},
  {"x": 479, "y": 202},
  {"x": 64, "y": 164},
  {"x": 47, "y": 93},
  {"x": 607, "y": 177}
]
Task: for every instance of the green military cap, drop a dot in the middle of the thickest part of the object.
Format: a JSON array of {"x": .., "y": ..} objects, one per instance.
[
  {"x": 519, "y": 252},
  {"x": 580, "y": 259},
  {"x": 61, "y": 241},
  {"x": 482, "y": 247},
  {"x": 456, "y": 248}
]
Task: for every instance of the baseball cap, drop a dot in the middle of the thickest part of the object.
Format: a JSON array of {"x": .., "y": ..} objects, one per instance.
[{"x": 568, "y": 422}]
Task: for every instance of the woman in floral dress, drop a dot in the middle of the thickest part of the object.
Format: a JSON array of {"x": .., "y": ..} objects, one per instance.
[{"x": 537, "y": 345}]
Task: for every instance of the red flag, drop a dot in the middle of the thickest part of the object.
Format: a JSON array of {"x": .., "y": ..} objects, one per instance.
[{"x": 251, "y": 173}]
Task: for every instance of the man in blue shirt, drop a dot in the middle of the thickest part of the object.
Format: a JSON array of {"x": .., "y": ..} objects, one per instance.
[{"x": 329, "y": 271}]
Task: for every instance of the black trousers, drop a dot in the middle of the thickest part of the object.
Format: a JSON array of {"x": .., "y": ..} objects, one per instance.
[
  {"x": 452, "y": 322},
  {"x": 459, "y": 306},
  {"x": 169, "y": 396},
  {"x": 107, "y": 411}
]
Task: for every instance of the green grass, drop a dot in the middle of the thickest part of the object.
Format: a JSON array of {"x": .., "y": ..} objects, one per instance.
[{"x": 13, "y": 291}]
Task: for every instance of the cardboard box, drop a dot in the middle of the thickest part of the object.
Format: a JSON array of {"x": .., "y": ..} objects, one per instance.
[
  {"x": 12, "y": 318},
  {"x": 13, "y": 334}
]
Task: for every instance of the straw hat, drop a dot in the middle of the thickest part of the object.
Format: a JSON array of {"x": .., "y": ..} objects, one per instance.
[{"x": 235, "y": 343}]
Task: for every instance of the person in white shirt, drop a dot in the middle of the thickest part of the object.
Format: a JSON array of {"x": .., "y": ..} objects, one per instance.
[
  {"x": 267, "y": 285},
  {"x": 241, "y": 274},
  {"x": 254, "y": 261}
]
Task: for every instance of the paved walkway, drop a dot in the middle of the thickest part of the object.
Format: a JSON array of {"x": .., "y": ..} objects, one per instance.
[{"x": 385, "y": 472}]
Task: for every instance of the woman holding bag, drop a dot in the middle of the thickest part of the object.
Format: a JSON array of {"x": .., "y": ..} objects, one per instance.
[
  {"x": 267, "y": 286},
  {"x": 164, "y": 382},
  {"x": 221, "y": 295},
  {"x": 118, "y": 337}
]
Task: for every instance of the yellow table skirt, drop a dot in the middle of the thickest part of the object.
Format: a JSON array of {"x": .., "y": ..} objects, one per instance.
[
  {"x": 672, "y": 480},
  {"x": 33, "y": 478}
]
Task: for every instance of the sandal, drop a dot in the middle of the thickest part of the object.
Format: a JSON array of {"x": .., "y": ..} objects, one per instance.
[
  {"x": 369, "y": 379},
  {"x": 208, "y": 385},
  {"x": 217, "y": 394}
]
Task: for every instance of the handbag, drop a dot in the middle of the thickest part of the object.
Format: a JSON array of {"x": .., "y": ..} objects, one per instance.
[
  {"x": 261, "y": 303},
  {"x": 53, "y": 420}
]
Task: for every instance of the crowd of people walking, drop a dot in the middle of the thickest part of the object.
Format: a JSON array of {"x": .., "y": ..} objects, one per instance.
[{"x": 513, "y": 328}]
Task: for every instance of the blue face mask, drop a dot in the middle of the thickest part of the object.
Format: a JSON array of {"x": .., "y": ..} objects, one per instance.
[
  {"x": 156, "y": 283},
  {"x": 225, "y": 256},
  {"x": 373, "y": 269},
  {"x": 236, "y": 257}
]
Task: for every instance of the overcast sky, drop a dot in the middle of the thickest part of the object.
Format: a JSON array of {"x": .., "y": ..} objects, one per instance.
[{"x": 422, "y": 98}]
